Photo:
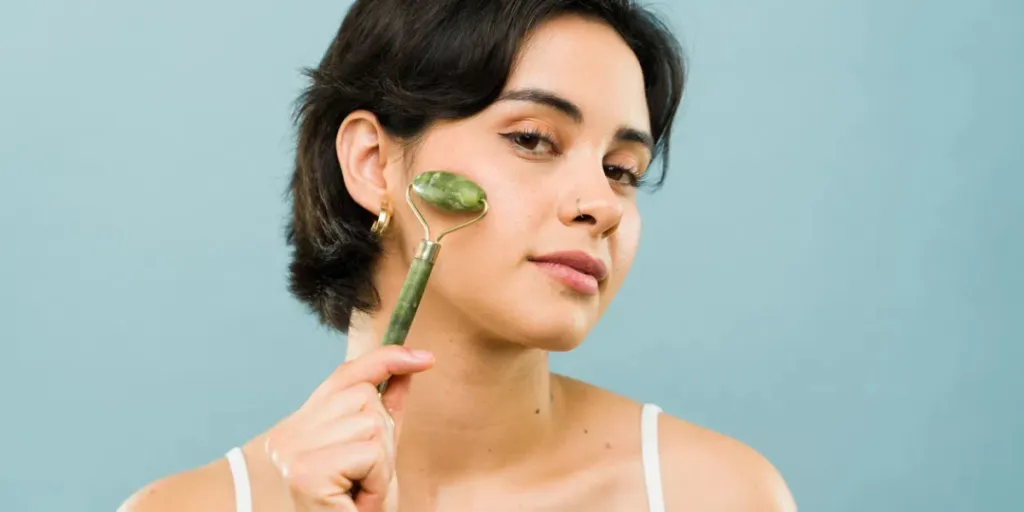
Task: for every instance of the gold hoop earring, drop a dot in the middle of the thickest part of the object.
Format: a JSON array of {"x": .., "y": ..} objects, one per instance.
[{"x": 383, "y": 219}]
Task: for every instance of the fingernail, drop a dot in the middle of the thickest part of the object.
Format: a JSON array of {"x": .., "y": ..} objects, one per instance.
[{"x": 420, "y": 355}]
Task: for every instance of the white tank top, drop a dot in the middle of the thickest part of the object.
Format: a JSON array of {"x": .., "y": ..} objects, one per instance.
[{"x": 648, "y": 445}]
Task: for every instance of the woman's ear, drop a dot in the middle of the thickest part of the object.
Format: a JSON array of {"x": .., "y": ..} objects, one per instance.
[{"x": 362, "y": 147}]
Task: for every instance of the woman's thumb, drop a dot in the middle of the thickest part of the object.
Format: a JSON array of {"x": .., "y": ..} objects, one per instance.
[{"x": 394, "y": 400}]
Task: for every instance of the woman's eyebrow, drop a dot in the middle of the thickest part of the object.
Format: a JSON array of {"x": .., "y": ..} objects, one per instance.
[
  {"x": 546, "y": 98},
  {"x": 626, "y": 134}
]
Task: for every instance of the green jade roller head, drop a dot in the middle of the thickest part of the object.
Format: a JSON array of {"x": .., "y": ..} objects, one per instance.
[{"x": 447, "y": 192}]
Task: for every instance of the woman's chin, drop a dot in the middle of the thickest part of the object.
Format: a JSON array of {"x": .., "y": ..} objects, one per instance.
[
  {"x": 551, "y": 329},
  {"x": 547, "y": 320}
]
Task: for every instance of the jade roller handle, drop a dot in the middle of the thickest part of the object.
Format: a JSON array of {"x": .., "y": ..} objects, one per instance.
[{"x": 410, "y": 295}]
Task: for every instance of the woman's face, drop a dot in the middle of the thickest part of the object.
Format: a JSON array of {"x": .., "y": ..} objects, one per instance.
[{"x": 558, "y": 157}]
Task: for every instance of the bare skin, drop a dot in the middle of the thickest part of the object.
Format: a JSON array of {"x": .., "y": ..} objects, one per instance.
[{"x": 481, "y": 423}]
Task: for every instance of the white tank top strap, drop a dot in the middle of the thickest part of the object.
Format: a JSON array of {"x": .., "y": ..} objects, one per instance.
[
  {"x": 651, "y": 459},
  {"x": 240, "y": 477}
]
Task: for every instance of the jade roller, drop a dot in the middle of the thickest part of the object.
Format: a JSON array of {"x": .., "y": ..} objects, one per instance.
[{"x": 447, "y": 192}]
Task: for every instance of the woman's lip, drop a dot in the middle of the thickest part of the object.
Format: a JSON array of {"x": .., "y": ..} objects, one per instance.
[
  {"x": 579, "y": 282},
  {"x": 578, "y": 261}
]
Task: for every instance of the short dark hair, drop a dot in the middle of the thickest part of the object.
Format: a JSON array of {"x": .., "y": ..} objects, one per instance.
[{"x": 413, "y": 62}]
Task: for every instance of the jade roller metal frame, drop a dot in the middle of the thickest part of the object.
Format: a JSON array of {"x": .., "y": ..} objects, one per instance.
[{"x": 447, "y": 192}]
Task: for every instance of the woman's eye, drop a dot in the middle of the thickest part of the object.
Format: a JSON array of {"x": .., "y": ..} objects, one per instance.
[
  {"x": 621, "y": 175},
  {"x": 532, "y": 143},
  {"x": 527, "y": 141}
]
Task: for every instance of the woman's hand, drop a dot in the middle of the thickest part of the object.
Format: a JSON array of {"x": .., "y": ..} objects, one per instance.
[{"x": 343, "y": 438}]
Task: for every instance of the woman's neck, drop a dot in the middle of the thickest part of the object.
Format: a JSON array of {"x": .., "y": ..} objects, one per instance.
[{"x": 485, "y": 405}]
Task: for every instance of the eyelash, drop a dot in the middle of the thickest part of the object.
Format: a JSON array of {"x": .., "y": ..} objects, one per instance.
[{"x": 513, "y": 137}]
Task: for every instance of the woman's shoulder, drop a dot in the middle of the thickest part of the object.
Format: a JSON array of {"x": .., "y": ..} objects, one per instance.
[
  {"x": 707, "y": 470},
  {"x": 211, "y": 487},
  {"x": 700, "y": 469},
  {"x": 207, "y": 487}
]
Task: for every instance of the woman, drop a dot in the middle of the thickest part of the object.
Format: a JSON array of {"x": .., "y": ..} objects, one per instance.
[{"x": 557, "y": 108}]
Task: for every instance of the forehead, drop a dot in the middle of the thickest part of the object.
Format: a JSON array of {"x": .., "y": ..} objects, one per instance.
[{"x": 588, "y": 63}]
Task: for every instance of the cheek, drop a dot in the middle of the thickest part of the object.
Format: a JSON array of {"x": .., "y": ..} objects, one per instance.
[
  {"x": 625, "y": 243},
  {"x": 516, "y": 208},
  {"x": 501, "y": 236}
]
